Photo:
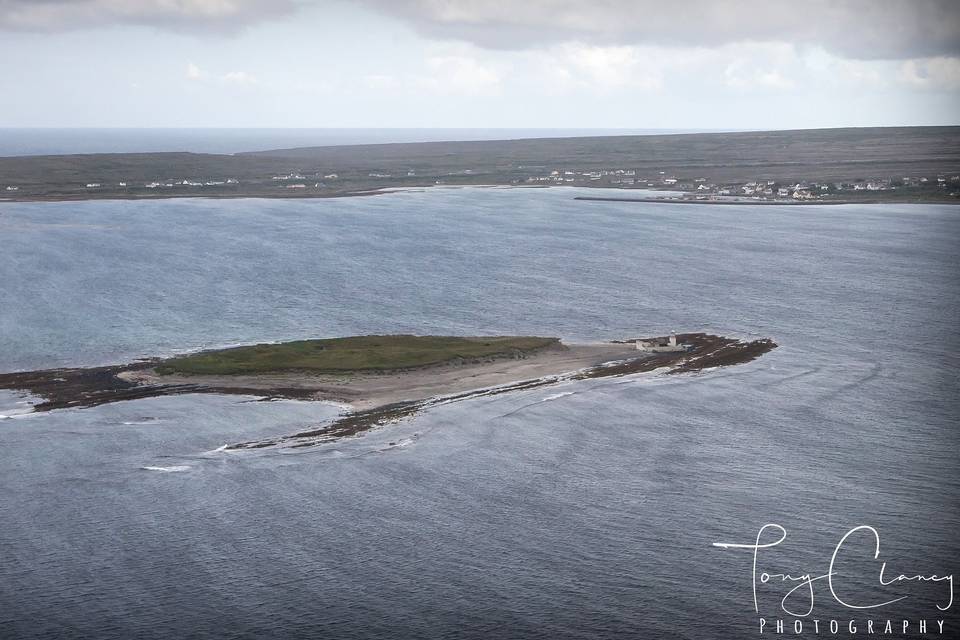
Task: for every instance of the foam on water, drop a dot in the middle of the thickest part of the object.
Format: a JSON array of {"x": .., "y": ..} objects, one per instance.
[{"x": 555, "y": 396}]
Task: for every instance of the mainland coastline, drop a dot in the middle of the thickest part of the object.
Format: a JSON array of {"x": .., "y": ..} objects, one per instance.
[{"x": 906, "y": 165}]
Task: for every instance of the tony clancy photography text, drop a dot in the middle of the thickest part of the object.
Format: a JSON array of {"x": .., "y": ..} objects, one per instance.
[{"x": 798, "y": 601}]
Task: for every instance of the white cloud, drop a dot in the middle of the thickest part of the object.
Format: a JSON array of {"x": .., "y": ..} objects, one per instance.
[
  {"x": 458, "y": 74},
  {"x": 940, "y": 73},
  {"x": 745, "y": 74},
  {"x": 856, "y": 29},
  {"x": 931, "y": 73},
  {"x": 239, "y": 78},
  {"x": 859, "y": 73},
  {"x": 613, "y": 66},
  {"x": 380, "y": 81},
  {"x": 578, "y": 66},
  {"x": 180, "y": 15},
  {"x": 865, "y": 29}
]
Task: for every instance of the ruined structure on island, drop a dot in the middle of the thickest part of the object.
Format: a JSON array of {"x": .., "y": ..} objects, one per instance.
[{"x": 661, "y": 345}]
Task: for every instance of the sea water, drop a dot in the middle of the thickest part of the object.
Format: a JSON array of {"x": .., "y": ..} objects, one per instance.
[{"x": 582, "y": 510}]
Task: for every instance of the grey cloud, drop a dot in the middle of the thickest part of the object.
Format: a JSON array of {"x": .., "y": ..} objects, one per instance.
[
  {"x": 177, "y": 15},
  {"x": 863, "y": 29}
]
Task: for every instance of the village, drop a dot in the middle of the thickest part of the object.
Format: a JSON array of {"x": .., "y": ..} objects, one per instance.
[
  {"x": 698, "y": 188},
  {"x": 701, "y": 188}
]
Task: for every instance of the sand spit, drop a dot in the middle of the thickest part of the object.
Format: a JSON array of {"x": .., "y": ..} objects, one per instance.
[{"x": 379, "y": 398}]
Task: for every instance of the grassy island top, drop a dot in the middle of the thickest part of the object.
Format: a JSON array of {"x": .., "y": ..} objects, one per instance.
[{"x": 354, "y": 354}]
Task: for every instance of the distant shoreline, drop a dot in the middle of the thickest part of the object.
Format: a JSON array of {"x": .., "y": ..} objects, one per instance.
[
  {"x": 778, "y": 203},
  {"x": 106, "y": 197},
  {"x": 905, "y": 164},
  {"x": 198, "y": 196},
  {"x": 378, "y": 191}
]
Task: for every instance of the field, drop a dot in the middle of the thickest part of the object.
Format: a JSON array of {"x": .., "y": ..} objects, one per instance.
[
  {"x": 354, "y": 354},
  {"x": 786, "y": 157}
]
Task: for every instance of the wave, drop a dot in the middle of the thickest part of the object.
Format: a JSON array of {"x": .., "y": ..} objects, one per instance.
[
  {"x": 17, "y": 415},
  {"x": 174, "y": 469},
  {"x": 401, "y": 443}
]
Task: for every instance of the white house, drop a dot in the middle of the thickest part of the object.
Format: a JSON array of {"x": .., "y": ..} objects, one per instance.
[{"x": 661, "y": 345}]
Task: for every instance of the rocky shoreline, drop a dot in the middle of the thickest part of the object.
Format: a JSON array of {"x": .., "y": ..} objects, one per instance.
[{"x": 380, "y": 398}]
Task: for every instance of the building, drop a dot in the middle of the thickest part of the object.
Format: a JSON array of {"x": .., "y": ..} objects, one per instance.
[{"x": 661, "y": 345}]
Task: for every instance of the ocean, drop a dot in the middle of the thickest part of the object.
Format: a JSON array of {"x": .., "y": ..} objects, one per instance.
[{"x": 583, "y": 510}]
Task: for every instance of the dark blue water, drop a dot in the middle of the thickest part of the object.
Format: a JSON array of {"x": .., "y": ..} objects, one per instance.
[
  {"x": 27, "y": 142},
  {"x": 584, "y": 510}
]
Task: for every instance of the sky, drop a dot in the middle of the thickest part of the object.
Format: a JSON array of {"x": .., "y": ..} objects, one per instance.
[{"x": 684, "y": 64}]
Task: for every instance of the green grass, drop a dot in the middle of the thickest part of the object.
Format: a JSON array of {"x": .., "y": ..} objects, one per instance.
[
  {"x": 345, "y": 355},
  {"x": 830, "y": 155}
]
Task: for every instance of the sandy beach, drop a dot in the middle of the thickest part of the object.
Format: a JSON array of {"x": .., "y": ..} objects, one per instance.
[
  {"x": 362, "y": 391},
  {"x": 373, "y": 397}
]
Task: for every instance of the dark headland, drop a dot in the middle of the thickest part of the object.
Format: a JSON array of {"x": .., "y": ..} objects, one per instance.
[
  {"x": 891, "y": 164},
  {"x": 380, "y": 378}
]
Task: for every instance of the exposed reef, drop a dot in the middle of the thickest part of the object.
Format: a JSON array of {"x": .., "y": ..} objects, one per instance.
[{"x": 385, "y": 395}]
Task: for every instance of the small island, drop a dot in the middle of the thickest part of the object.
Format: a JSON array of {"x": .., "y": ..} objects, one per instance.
[{"x": 380, "y": 378}]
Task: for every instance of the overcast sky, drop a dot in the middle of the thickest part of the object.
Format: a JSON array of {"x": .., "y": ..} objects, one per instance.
[{"x": 479, "y": 63}]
